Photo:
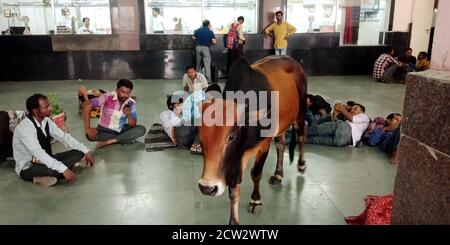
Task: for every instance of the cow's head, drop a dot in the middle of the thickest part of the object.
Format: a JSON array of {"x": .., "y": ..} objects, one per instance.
[{"x": 227, "y": 147}]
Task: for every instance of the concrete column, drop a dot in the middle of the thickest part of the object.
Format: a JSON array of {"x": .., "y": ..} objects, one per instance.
[
  {"x": 125, "y": 22},
  {"x": 422, "y": 18},
  {"x": 402, "y": 15},
  {"x": 440, "y": 59}
]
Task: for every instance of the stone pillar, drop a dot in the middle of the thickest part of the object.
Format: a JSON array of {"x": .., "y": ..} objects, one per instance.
[
  {"x": 422, "y": 184},
  {"x": 125, "y": 23},
  {"x": 440, "y": 59}
]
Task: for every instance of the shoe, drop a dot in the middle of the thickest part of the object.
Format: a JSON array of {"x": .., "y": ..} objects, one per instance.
[{"x": 46, "y": 181}]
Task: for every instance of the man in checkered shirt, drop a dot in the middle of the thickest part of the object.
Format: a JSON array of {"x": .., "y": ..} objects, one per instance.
[{"x": 383, "y": 62}]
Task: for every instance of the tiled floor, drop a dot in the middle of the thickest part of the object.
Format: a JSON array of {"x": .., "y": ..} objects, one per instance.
[{"x": 131, "y": 186}]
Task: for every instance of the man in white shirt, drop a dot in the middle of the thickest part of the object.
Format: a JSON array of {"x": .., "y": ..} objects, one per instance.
[
  {"x": 158, "y": 21},
  {"x": 340, "y": 133},
  {"x": 193, "y": 80},
  {"x": 181, "y": 120},
  {"x": 32, "y": 146},
  {"x": 86, "y": 29}
]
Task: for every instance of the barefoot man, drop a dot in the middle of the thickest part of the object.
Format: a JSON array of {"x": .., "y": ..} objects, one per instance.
[{"x": 118, "y": 121}]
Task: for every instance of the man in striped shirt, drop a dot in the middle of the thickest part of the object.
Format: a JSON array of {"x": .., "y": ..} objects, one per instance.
[
  {"x": 380, "y": 69},
  {"x": 118, "y": 121}
]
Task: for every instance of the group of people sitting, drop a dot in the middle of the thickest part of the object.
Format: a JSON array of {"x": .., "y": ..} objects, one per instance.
[
  {"x": 181, "y": 119},
  {"x": 340, "y": 125},
  {"x": 389, "y": 69},
  {"x": 346, "y": 124},
  {"x": 32, "y": 136}
]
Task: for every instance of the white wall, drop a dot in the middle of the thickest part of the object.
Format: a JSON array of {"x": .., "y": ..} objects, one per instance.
[
  {"x": 422, "y": 20},
  {"x": 403, "y": 14},
  {"x": 441, "y": 45}
]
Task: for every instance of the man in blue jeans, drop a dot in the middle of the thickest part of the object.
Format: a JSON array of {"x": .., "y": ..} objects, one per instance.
[
  {"x": 388, "y": 137},
  {"x": 340, "y": 133},
  {"x": 204, "y": 37}
]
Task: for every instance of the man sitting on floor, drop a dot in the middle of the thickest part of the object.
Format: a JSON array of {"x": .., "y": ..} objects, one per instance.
[
  {"x": 422, "y": 62},
  {"x": 388, "y": 137},
  {"x": 33, "y": 151},
  {"x": 340, "y": 133},
  {"x": 385, "y": 65},
  {"x": 193, "y": 80},
  {"x": 118, "y": 121},
  {"x": 181, "y": 120}
]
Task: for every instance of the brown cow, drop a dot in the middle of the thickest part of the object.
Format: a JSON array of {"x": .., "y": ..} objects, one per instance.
[{"x": 228, "y": 148}]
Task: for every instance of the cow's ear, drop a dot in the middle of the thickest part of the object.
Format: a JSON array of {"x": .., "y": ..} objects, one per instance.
[{"x": 239, "y": 74}]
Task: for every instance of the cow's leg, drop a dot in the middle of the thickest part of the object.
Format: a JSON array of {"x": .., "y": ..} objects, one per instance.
[
  {"x": 234, "y": 193},
  {"x": 277, "y": 177},
  {"x": 255, "y": 205},
  {"x": 301, "y": 142}
]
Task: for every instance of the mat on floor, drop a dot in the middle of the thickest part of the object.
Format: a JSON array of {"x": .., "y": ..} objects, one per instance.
[{"x": 158, "y": 140}]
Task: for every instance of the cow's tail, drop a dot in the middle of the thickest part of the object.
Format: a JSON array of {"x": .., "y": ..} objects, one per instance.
[
  {"x": 302, "y": 91},
  {"x": 292, "y": 143}
]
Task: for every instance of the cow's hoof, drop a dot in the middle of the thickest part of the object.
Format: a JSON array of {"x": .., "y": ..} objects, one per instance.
[
  {"x": 275, "y": 179},
  {"x": 301, "y": 167},
  {"x": 255, "y": 207},
  {"x": 233, "y": 223}
]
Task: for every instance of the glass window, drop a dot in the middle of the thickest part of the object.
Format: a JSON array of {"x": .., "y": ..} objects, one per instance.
[
  {"x": 65, "y": 15},
  {"x": 185, "y": 16},
  {"x": 364, "y": 22},
  {"x": 222, "y": 13},
  {"x": 173, "y": 16},
  {"x": 312, "y": 15}
]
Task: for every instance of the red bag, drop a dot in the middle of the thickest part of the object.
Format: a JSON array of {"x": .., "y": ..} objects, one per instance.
[{"x": 232, "y": 38}]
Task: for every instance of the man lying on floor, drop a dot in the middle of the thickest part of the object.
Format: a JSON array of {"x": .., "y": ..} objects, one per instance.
[
  {"x": 118, "y": 121},
  {"x": 33, "y": 151},
  {"x": 340, "y": 133}
]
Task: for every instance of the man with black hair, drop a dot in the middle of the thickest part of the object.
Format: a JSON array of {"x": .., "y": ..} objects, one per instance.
[
  {"x": 158, "y": 21},
  {"x": 32, "y": 148},
  {"x": 193, "y": 80},
  {"x": 386, "y": 60},
  {"x": 204, "y": 38},
  {"x": 422, "y": 62},
  {"x": 86, "y": 28},
  {"x": 118, "y": 121},
  {"x": 281, "y": 31},
  {"x": 409, "y": 60},
  {"x": 388, "y": 137},
  {"x": 235, "y": 41},
  {"x": 340, "y": 133}
]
